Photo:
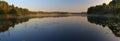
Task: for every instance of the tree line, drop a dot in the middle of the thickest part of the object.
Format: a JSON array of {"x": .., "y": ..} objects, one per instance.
[
  {"x": 6, "y": 9},
  {"x": 10, "y": 10},
  {"x": 112, "y": 8}
]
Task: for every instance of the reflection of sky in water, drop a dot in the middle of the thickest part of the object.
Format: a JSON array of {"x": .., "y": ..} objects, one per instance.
[{"x": 54, "y": 29}]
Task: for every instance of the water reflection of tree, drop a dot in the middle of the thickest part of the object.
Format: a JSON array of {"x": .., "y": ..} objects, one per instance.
[
  {"x": 112, "y": 22},
  {"x": 6, "y": 23}
]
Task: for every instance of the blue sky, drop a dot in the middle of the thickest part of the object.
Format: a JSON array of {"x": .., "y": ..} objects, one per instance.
[{"x": 57, "y": 5}]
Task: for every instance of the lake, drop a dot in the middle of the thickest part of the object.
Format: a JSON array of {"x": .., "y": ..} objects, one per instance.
[{"x": 69, "y": 28}]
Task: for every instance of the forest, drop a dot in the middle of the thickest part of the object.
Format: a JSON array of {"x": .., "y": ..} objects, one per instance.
[
  {"x": 11, "y": 10},
  {"x": 6, "y": 9},
  {"x": 112, "y": 8}
]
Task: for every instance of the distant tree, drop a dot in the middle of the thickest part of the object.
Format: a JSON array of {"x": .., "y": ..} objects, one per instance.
[
  {"x": 104, "y": 4},
  {"x": 90, "y": 10},
  {"x": 13, "y": 11}
]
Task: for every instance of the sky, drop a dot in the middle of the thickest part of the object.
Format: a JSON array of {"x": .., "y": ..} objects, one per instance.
[{"x": 57, "y": 5}]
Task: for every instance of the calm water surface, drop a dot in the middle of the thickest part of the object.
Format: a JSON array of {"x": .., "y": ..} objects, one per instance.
[{"x": 72, "y": 28}]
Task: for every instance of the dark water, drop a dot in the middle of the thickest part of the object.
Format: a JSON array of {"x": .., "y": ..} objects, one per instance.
[{"x": 72, "y": 28}]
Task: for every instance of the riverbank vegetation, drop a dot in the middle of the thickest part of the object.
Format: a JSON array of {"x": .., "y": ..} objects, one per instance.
[
  {"x": 112, "y": 8},
  {"x": 7, "y": 10}
]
